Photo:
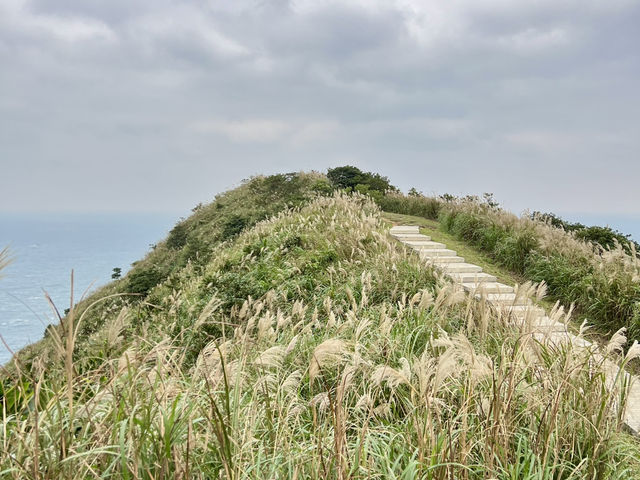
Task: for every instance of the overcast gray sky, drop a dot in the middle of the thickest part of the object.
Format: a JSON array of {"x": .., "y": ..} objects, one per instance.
[{"x": 157, "y": 105}]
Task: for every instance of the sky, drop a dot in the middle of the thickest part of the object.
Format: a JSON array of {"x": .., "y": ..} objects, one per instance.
[{"x": 157, "y": 105}]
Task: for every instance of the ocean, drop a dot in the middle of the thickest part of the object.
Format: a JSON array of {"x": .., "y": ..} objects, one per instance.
[{"x": 46, "y": 247}]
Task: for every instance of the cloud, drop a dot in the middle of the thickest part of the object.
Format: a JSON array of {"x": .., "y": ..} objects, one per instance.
[
  {"x": 533, "y": 40},
  {"x": 17, "y": 18},
  {"x": 542, "y": 141},
  {"x": 245, "y": 130},
  {"x": 189, "y": 97},
  {"x": 299, "y": 133},
  {"x": 313, "y": 132},
  {"x": 183, "y": 30}
]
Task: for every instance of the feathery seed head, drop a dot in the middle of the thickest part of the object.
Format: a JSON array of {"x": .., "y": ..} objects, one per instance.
[
  {"x": 321, "y": 402},
  {"x": 617, "y": 342},
  {"x": 633, "y": 352},
  {"x": 364, "y": 403},
  {"x": 271, "y": 357},
  {"x": 388, "y": 375},
  {"x": 329, "y": 353},
  {"x": 292, "y": 382}
]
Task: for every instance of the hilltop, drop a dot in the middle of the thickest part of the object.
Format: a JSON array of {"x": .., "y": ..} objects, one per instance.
[{"x": 280, "y": 332}]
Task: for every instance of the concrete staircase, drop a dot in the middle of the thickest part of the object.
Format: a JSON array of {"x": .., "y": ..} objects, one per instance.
[{"x": 511, "y": 303}]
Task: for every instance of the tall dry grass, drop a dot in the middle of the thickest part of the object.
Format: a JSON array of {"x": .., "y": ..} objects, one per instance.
[
  {"x": 5, "y": 259},
  {"x": 349, "y": 359},
  {"x": 604, "y": 284}
]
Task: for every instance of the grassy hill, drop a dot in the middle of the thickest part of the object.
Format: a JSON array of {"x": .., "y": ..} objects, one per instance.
[
  {"x": 279, "y": 332},
  {"x": 591, "y": 268}
]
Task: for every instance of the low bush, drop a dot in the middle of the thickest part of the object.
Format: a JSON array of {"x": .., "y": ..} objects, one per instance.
[
  {"x": 606, "y": 237},
  {"x": 177, "y": 237},
  {"x": 590, "y": 267},
  {"x": 353, "y": 179},
  {"x": 141, "y": 280},
  {"x": 602, "y": 283},
  {"x": 233, "y": 225},
  {"x": 417, "y": 205}
]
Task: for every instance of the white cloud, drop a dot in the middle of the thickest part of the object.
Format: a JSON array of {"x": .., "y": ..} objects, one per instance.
[
  {"x": 184, "y": 25},
  {"x": 72, "y": 29},
  {"x": 315, "y": 131},
  {"x": 17, "y": 17},
  {"x": 294, "y": 133},
  {"x": 544, "y": 141},
  {"x": 253, "y": 130},
  {"x": 434, "y": 128},
  {"x": 473, "y": 86},
  {"x": 533, "y": 40}
]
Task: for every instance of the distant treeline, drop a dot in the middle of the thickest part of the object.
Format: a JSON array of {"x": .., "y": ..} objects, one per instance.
[{"x": 603, "y": 236}]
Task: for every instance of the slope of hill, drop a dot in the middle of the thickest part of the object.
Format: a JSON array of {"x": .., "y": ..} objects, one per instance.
[{"x": 308, "y": 344}]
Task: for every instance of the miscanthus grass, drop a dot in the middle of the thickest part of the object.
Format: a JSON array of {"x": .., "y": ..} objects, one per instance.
[
  {"x": 602, "y": 283},
  {"x": 314, "y": 346},
  {"x": 5, "y": 260}
]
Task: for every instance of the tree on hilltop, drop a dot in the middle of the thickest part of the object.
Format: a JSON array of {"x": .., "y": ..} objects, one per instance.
[{"x": 352, "y": 178}]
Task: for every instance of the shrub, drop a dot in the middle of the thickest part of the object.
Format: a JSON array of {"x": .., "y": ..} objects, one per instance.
[
  {"x": 417, "y": 205},
  {"x": 141, "y": 280},
  {"x": 603, "y": 285},
  {"x": 233, "y": 225},
  {"x": 177, "y": 237},
  {"x": 513, "y": 251},
  {"x": 350, "y": 178},
  {"x": 605, "y": 237}
]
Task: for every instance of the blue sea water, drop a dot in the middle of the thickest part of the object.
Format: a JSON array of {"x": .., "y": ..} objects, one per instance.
[{"x": 45, "y": 248}]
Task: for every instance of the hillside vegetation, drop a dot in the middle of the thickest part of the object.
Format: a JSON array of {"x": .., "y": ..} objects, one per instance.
[
  {"x": 308, "y": 344},
  {"x": 586, "y": 267},
  {"x": 194, "y": 240}
]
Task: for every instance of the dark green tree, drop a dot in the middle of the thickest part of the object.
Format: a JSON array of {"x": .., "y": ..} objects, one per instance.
[
  {"x": 345, "y": 177},
  {"x": 350, "y": 177}
]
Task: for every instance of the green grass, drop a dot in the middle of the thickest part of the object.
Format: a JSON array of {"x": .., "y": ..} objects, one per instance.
[
  {"x": 585, "y": 268},
  {"x": 309, "y": 345},
  {"x": 474, "y": 255},
  {"x": 470, "y": 254}
]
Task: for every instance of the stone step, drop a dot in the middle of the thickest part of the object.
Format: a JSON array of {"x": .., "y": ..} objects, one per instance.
[
  {"x": 521, "y": 311},
  {"x": 404, "y": 237},
  {"x": 442, "y": 261},
  {"x": 461, "y": 268},
  {"x": 424, "y": 245},
  {"x": 487, "y": 287},
  {"x": 632, "y": 413},
  {"x": 405, "y": 229},
  {"x": 472, "y": 277},
  {"x": 436, "y": 252},
  {"x": 505, "y": 299},
  {"x": 561, "y": 338},
  {"x": 545, "y": 324}
]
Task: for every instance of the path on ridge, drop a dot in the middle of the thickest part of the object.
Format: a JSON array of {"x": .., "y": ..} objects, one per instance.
[{"x": 512, "y": 302}]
